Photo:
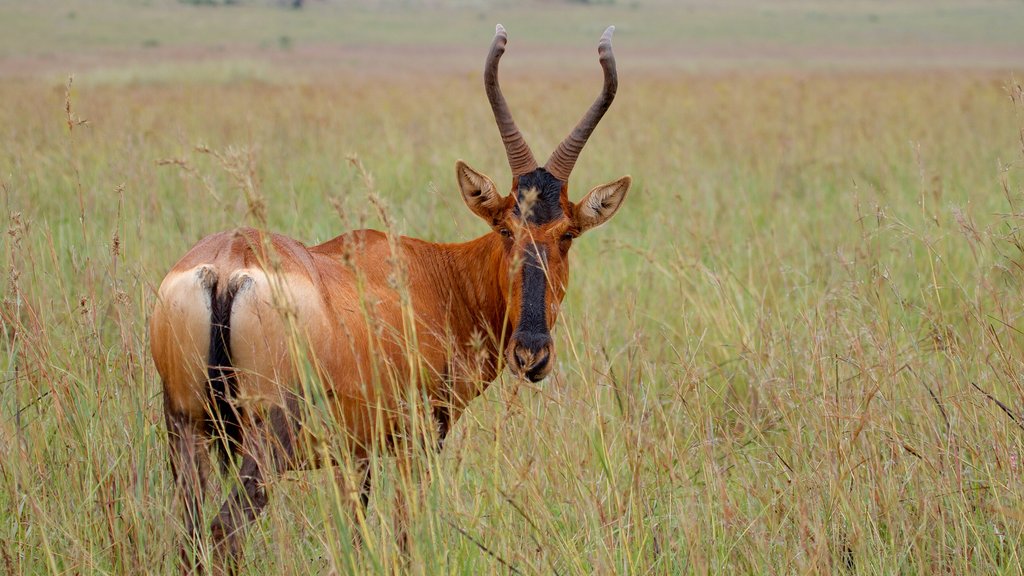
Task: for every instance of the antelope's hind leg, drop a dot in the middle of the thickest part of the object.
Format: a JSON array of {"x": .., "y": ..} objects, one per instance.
[
  {"x": 268, "y": 449},
  {"x": 190, "y": 465},
  {"x": 180, "y": 330}
]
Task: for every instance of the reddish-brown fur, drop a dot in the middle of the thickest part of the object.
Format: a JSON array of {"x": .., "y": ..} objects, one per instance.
[
  {"x": 372, "y": 318},
  {"x": 454, "y": 290}
]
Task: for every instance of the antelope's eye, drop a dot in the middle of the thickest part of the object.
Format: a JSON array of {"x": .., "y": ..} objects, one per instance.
[
  {"x": 505, "y": 232},
  {"x": 568, "y": 237}
]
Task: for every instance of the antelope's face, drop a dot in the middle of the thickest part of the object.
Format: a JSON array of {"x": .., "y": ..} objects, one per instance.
[
  {"x": 536, "y": 221},
  {"x": 536, "y": 224}
]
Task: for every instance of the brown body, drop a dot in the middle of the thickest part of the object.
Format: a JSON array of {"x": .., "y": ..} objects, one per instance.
[
  {"x": 248, "y": 325},
  {"x": 342, "y": 300}
]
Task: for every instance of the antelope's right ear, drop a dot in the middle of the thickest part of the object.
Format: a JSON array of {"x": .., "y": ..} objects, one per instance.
[{"x": 479, "y": 192}]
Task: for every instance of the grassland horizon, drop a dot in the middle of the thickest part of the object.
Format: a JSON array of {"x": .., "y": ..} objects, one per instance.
[{"x": 797, "y": 349}]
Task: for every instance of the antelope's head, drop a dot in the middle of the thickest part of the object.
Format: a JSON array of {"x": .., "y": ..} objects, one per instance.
[{"x": 537, "y": 222}]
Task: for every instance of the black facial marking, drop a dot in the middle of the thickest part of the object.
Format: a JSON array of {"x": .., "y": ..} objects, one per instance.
[
  {"x": 546, "y": 206},
  {"x": 532, "y": 322}
]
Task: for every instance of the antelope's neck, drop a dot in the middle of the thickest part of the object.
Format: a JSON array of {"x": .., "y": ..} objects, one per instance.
[{"x": 473, "y": 272}]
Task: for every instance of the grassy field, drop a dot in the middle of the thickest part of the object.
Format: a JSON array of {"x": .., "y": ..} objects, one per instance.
[{"x": 798, "y": 348}]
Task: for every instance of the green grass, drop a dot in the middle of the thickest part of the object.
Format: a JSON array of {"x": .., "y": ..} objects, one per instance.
[{"x": 767, "y": 359}]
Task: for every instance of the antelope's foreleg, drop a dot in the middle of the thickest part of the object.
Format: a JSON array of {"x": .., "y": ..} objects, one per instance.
[
  {"x": 443, "y": 422},
  {"x": 354, "y": 489},
  {"x": 190, "y": 465},
  {"x": 268, "y": 450},
  {"x": 414, "y": 478}
]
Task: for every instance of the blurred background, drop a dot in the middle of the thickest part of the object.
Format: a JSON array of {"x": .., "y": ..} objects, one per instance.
[{"x": 150, "y": 40}]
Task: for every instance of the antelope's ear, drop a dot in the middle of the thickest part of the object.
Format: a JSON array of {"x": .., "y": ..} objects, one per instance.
[
  {"x": 600, "y": 204},
  {"x": 479, "y": 192}
]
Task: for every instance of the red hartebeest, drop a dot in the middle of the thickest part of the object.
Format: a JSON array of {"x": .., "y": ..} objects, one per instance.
[{"x": 230, "y": 311}]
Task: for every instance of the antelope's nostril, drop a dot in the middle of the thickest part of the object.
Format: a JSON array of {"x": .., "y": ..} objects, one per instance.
[
  {"x": 524, "y": 358},
  {"x": 539, "y": 369},
  {"x": 542, "y": 357}
]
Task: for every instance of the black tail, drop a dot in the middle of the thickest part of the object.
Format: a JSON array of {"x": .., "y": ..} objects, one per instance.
[{"x": 224, "y": 422}]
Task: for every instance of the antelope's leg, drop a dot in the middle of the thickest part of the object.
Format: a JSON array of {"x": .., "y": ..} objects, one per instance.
[
  {"x": 466, "y": 381},
  {"x": 404, "y": 491},
  {"x": 355, "y": 490},
  {"x": 411, "y": 485},
  {"x": 443, "y": 420},
  {"x": 268, "y": 449},
  {"x": 360, "y": 479},
  {"x": 190, "y": 465}
]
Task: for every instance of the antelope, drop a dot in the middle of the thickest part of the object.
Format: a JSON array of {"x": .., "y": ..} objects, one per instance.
[{"x": 228, "y": 314}]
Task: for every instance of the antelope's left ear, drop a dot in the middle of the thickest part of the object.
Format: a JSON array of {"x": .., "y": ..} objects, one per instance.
[
  {"x": 479, "y": 192},
  {"x": 600, "y": 204}
]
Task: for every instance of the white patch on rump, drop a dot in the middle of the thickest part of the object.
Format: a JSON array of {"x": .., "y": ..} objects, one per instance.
[{"x": 180, "y": 337}]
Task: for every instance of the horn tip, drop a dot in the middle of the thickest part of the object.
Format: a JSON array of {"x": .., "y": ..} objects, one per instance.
[
  {"x": 500, "y": 39},
  {"x": 605, "y": 45}
]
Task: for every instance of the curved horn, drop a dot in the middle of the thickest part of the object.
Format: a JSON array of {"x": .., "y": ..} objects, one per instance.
[
  {"x": 520, "y": 158},
  {"x": 564, "y": 157}
]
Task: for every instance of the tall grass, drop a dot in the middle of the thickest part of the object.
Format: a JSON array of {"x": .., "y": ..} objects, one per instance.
[{"x": 783, "y": 355}]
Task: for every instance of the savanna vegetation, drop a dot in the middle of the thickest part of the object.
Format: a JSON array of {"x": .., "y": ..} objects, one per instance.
[{"x": 797, "y": 348}]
